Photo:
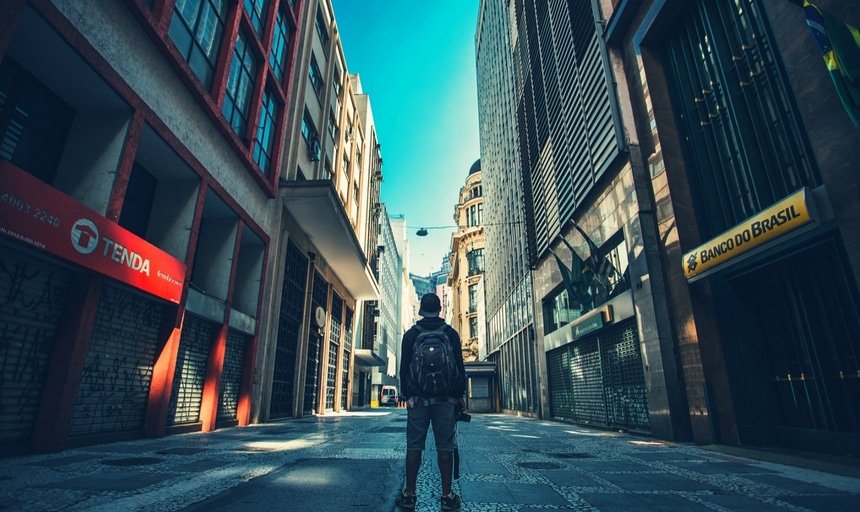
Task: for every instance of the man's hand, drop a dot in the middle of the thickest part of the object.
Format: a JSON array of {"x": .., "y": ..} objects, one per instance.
[{"x": 461, "y": 404}]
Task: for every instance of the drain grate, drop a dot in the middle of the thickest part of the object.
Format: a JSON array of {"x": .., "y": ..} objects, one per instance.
[
  {"x": 390, "y": 429},
  {"x": 133, "y": 461},
  {"x": 572, "y": 455},
  {"x": 539, "y": 465}
]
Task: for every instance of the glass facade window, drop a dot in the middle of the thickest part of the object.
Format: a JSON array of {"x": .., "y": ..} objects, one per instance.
[
  {"x": 316, "y": 77},
  {"x": 473, "y": 298},
  {"x": 311, "y": 136},
  {"x": 34, "y": 122},
  {"x": 354, "y": 208},
  {"x": 332, "y": 124},
  {"x": 475, "y": 258},
  {"x": 742, "y": 140},
  {"x": 195, "y": 29},
  {"x": 265, "y": 139},
  {"x": 280, "y": 46},
  {"x": 337, "y": 85},
  {"x": 559, "y": 311},
  {"x": 322, "y": 31},
  {"x": 559, "y": 308},
  {"x": 237, "y": 97},
  {"x": 256, "y": 10}
]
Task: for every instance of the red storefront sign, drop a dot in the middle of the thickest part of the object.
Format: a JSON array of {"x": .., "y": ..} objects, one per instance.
[{"x": 35, "y": 213}]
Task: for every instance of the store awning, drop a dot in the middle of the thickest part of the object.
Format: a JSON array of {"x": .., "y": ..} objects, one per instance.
[
  {"x": 367, "y": 358},
  {"x": 315, "y": 206}
]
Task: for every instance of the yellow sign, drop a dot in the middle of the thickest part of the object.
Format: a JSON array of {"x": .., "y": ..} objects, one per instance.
[{"x": 783, "y": 217}]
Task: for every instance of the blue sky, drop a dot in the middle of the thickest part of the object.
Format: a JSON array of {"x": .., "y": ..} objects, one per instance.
[{"x": 417, "y": 62}]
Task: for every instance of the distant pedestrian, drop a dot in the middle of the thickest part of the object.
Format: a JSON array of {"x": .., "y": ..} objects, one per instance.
[{"x": 433, "y": 380}]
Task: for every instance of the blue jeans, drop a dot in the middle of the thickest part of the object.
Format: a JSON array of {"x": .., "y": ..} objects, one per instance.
[{"x": 443, "y": 416}]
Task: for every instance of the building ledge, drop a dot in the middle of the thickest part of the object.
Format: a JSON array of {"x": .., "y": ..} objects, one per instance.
[
  {"x": 367, "y": 358},
  {"x": 316, "y": 208}
]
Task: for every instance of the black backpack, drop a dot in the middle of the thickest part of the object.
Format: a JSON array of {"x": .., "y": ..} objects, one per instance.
[{"x": 433, "y": 368}]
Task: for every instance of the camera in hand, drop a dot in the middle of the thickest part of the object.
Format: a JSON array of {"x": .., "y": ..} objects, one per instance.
[{"x": 464, "y": 416}]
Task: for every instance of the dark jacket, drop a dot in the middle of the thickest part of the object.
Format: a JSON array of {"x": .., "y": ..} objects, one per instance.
[{"x": 407, "y": 387}]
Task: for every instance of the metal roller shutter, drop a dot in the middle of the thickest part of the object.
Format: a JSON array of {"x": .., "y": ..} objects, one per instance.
[
  {"x": 289, "y": 329},
  {"x": 33, "y": 294},
  {"x": 598, "y": 379},
  {"x": 347, "y": 349},
  {"x": 190, "y": 373},
  {"x": 626, "y": 402},
  {"x": 231, "y": 377},
  {"x": 115, "y": 381}
]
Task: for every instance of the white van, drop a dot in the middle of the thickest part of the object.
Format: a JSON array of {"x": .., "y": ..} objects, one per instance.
[{"x": 388, "y": 396}]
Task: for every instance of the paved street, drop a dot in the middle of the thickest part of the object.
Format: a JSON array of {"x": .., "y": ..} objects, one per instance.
[{"x": 353, "y": 461}]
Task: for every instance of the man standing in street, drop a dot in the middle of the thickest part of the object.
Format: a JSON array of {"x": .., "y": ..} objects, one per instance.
[{"x": 433, "y": 380}]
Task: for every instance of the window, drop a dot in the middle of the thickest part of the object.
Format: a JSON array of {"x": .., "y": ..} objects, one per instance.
[
  {"x": 476, "y": 261},
  {"x": 480, "y": 214},
  {"x": 316, "y": 77},
  {"x": 311, "y": 136},
  {"x": 354, "y": 208},
  {"x": 558, "y": 311},
  {"x": 473, "y": 298},
  {"x": 256, "y": 10},
  {"x": 280, "y": 46},
  {"x": 618, "y": 278},
  {"x": 34, "y": 122},
  {"x": 473, "y": 327},
  {"x": 195, "y": 29},
  {"x": 322, "y": 31},
  {"x": 613, "y": 279},
  {"x": 332, "y": 125},
  {"x": 237, "y": 97},
  {"x": 743, "y": 140},
  {"x": 337, "y": 85},
  {"x": 265, "y": 140}
]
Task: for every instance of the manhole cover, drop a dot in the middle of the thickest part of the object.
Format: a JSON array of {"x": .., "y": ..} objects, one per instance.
[
  {"x": 539, "y": 465},
  {"x": 132, "y": 461},
  {"x": 570, "y": 455}
]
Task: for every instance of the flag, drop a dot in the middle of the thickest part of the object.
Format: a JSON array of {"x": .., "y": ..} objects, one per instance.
[
  {"x": 602, "y": 267},
  {"x": 574, "y": 283},
  {"x": 839, "y": 44}
]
